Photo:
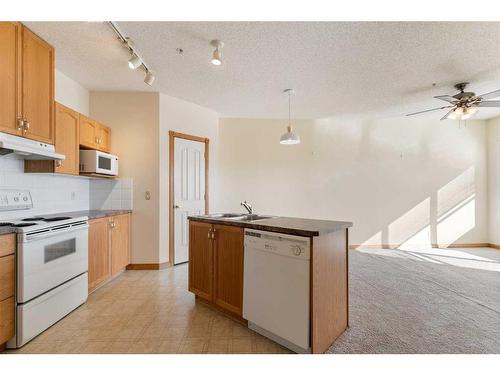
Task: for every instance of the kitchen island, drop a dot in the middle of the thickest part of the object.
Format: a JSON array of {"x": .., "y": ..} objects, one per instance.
[{"x": 217, "y": 249}]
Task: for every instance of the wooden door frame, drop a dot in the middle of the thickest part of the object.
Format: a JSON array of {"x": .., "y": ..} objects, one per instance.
[{"x": 171, "y": 198}]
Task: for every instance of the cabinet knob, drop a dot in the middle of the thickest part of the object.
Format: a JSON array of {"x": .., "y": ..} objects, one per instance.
[
  {"x": 20, "y": 124},
  {"x": 26, "y": 126},
  {"x": 177, "y": 206},
  {"x": 58, "y": 163}
]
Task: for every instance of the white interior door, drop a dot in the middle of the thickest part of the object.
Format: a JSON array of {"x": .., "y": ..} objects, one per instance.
[{"x": 189, "y": 191}]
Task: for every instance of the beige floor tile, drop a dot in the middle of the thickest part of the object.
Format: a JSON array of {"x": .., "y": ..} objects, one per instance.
[
  {"x": 238, "y": 330},
  {"x": 218, "y": 346},
  {"x": 241, "y": 345},
  {"x": 94, "y": 347},
  {"x": 148, "y": 312},
  {"x": 193, "y": 346},
  {"x": 170, "y": 346},
  {"x": 173, "y": 333},
  {"x": 198, "y": 331}
]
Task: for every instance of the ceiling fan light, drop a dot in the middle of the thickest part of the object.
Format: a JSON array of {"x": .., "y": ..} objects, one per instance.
[
  {"x": 289, "y": 138},
  {"x": 472, "y": 110}
]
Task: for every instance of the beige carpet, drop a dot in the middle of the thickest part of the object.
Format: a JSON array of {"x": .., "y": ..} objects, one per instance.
[{"x": 423, "y": 301}]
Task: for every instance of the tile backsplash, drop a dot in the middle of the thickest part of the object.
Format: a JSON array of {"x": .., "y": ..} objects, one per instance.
[
  {"x": 50, "y": 193},
  {"x": 111, "y": 194},
  {"x": 53, "y": 193}
]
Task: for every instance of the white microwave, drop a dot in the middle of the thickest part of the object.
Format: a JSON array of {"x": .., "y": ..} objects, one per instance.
[{"x": 93, "y": 161}]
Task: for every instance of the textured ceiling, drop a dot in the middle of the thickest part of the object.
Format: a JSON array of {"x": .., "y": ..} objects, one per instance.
[{"x": 335, "y": 68}]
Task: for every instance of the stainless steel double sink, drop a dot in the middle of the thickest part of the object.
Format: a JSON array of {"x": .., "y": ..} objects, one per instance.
[{"x": 238, "y": 217}]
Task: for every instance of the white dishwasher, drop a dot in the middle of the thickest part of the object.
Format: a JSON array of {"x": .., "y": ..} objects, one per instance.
[{"x": 276, "y": 287}]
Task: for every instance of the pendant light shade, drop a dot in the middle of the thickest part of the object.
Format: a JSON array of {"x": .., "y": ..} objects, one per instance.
[{"x": 289, "y": 138}]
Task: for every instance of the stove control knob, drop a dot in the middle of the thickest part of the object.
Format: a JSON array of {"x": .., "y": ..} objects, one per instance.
[
  {"x": 25, "y": 199},
  {"x": 297, "y": 250},
  {"x": 16, "y": 199}
]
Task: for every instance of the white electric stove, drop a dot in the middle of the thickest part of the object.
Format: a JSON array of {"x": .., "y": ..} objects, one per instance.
[{"x": 52, "y": 266}]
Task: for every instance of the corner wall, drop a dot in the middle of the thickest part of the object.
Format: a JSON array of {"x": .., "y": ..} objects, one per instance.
[
  {"x": 493, "y": 146},
  {"x": 134, "y": 121}
]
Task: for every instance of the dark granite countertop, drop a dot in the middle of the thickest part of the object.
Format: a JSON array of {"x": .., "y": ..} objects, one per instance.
[
  {"x": 93, "y": 214},
  {"x": 7, "y": 230},
  {"x": 287, "y": 225}
]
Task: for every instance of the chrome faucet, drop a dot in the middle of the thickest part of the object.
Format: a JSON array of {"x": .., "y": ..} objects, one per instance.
[{"x": 247, "y": 206}]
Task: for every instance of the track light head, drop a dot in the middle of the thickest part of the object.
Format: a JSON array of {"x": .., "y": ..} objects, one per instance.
[
  {"x": 217, "y": 54},
  {"x": 149, "y": 78},
  {"x": 134, "y": 62}
]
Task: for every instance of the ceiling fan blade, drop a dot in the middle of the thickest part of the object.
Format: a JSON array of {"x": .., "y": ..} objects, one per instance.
[
  {"x": 429, "y": 110},
  {"x": 491, "y": 95},
  {"x": 490, "y": 103},
  {"x": 447, "y": 114},
  {"x": 447, "y": 98}
]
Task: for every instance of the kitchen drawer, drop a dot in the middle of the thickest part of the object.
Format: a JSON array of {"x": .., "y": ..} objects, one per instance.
[
  {"x": 7, "y": 244},
  {"x": 7, "y": 265},
  {"x": 6, "y": 319}
]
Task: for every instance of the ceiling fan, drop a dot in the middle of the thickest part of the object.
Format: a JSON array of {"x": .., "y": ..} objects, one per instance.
[{"x": 464, "y": 104}]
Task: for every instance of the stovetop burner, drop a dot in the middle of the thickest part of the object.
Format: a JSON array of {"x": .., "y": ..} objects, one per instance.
[
  {"x": 33, "y": 219},
  {"x": 57, "y": 218},
  {"x": 5, "y": 224},
  {"x": 21, "y": 225}
]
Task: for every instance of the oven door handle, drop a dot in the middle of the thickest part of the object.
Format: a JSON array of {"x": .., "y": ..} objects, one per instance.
[{"x": 39, "y": 236}]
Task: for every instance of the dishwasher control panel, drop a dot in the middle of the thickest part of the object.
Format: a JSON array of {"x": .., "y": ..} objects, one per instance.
[{"x": 278, "y": 243}]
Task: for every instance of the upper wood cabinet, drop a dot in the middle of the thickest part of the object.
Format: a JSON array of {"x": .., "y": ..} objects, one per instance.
[
  {"x": 94, "y": 135},
  {"x": 200, "y": 259},
  {"x": 10, "y": 78},
  {"x": 228, "y": 267},
  {"x": 38, "y": 88},
  {"x": 66, "y": 143},
  {"x": 27, "y": 83}
]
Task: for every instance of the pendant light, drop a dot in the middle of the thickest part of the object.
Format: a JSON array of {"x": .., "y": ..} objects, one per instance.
[{"x": 289, "y": 138}]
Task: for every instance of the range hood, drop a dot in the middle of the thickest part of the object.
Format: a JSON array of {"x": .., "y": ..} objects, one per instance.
[{"x": 27, "y": 148}]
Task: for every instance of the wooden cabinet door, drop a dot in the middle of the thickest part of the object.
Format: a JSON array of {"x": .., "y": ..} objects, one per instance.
[
  {"x": 67, "y": 132},
  {"x": 200, "y": 259},
  {"x": 120, "y": 242},
  {"x": 99, "y": 252},
  {"x": 228, "y": 268},
  {"x": 6, "y": 319},
  {"x": 10, "y": 78},
  {"x": 89, "y": 130},
  {"x": 37, "y": 87},
  {"x": 7, "y": 277},
  {"x": 104, "y": 138}
]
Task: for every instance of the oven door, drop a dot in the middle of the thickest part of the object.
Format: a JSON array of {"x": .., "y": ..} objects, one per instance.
[
  {"x": 106, "y": 164},
  {"x": 48, "y": 259}
]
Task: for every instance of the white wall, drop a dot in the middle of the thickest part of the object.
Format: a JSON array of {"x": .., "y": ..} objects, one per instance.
[
  {"x": 184, "y": 117},
  {"x": 493, "y": 127},
  {"x": 71, "y": 93},
  {"x": 401, "y": 181},
  {"x": 51, "y": 193},
  {"x": 134, "y": 121}
]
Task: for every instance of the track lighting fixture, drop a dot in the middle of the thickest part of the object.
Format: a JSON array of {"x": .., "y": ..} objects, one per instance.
[
  {"x": 217, "y": 54},
  {"x": 134, "y": 62},
  {"x": 149, "y": 78}
]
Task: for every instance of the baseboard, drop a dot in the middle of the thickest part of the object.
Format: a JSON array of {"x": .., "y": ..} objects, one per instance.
[
  {"x": 148, "y": 266},
  {"x": 441, "y": 246}
]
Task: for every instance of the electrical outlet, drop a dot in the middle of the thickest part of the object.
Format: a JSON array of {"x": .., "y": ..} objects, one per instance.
[{"x": 148, "y": 195}]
